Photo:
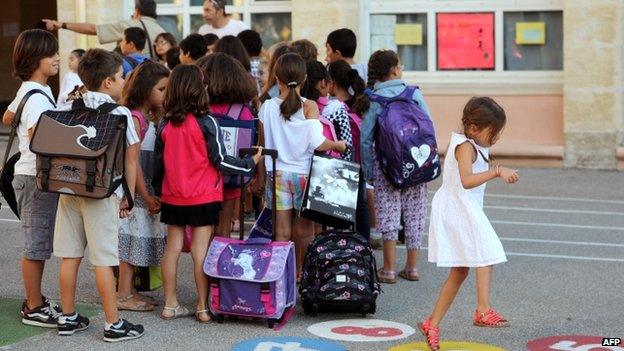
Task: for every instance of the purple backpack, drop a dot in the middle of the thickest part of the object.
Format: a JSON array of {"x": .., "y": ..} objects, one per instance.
[
  {"x": 251, "y": 278},
  {"x": 405, "y": 141}
]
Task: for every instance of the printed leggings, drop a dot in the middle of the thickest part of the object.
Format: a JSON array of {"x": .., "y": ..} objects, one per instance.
[{"x": 391, "y": 204}]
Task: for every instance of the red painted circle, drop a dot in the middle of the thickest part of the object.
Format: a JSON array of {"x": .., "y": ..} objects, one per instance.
[
  {"x": 375, "y": 332},
  {"x": 571, "y": 343}
]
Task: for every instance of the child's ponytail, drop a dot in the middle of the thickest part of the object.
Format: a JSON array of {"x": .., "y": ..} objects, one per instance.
[
  {"x": 380, "y": 64},
  {"x": 345, "y": 77},
  {"x": 290, "y": 70}
]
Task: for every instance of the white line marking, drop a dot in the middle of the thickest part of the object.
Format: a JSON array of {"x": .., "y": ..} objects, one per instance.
[
  {"x": 555, "y": 198},
  {"x": 553, "y": 210},
  {"x": 558, "y": 225},
  {"x": 564, "y": 242},
  {"x": 9, "y": 220},
  {"x": 579, "y": 258}
]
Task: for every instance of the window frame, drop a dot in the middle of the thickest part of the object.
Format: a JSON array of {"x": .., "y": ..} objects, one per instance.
[
  {"x": 248, "y": 8},
  {"x": 497, "y": 81}
]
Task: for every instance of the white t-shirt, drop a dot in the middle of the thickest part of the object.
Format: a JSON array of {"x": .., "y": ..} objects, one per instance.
[
  {"x": 232, "y": 28},
  {"x": 70, "y": 81},
  {"x": 295, "y": 140},
  {"x": 94, "y": 99},
  {"x": 35, "y": 106},
  {"x": 362, "y": 70}
]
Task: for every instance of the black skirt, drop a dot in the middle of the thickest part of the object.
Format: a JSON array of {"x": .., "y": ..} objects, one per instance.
[{"x": 194, "y": 216}]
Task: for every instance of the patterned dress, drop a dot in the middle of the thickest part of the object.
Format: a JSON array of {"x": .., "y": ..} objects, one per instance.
[{"x": 142, "y": 235}]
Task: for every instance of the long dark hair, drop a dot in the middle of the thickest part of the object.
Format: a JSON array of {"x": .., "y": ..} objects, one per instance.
[
  {"x": 345, "y": 77},
  {"x": 140, "y": 83},
  {"x": 380, "y": 64},
  {"x": 234, "y": 47},
  {"x": 484, "y": 112},
  {"x": 280, "y": 50},
  {"x": 316, "y": 72},
  {"x": 185, "y": 94},
  {"x": 226, "y": 80},
  {"x": 290, "y": 70}
]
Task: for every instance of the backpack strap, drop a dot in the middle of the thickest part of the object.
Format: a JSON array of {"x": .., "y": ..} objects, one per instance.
[
  {"x": 18, "y": 118},
  {"x": 235, "y": 110},
  {"x": 132, "y": 61},
  {"x": 107, "y": 107},
  {"x": 405, "y": 96},
  {"x": 149, "y": 41}
]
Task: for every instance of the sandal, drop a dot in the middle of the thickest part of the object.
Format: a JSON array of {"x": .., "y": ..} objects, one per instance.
[
  {"x": 179, "y": 311},
  {"x": 235, "y": 225},
  {"x": 197, "y": 318},
  {"x": 130, "y": 303},
  {"x": 146, "y": 298},
  {"x": 410, "y": 274},
  {"x": 490, "y": 319},
  {"x": 388, "y": 277},
  {"x": 431, "y": 333}
]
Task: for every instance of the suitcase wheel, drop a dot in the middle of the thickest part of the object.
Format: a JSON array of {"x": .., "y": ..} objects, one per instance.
[
  {"x": 271, "y": 323},
  {"x": 220, "y": 318}
]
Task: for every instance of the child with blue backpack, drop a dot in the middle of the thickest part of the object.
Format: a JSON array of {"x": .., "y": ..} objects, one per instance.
[{"x": 391, "y": 203}]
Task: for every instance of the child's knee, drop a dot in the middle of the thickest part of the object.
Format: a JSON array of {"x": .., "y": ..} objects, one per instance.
[{"x": 460, "y": 272}]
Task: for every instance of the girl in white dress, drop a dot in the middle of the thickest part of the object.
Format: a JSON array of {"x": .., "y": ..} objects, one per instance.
[{"x": 460, "y": 234}]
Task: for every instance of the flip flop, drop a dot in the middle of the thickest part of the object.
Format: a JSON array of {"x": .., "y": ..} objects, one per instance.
[
  {"x": 129, "y": 303},
  {"x": 388, "y": 277}
]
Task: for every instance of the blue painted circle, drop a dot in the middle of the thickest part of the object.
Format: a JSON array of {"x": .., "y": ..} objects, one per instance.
[{"x": 288, "y": 343}]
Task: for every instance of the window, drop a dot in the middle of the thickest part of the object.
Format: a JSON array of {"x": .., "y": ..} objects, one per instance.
[
  {"x": 271, "y": 18},
  {"x": 533, "y": 41},
  {"x": 442, "y": 37}
]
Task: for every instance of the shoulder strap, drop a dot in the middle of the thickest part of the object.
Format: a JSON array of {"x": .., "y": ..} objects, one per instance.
[
  {"x": 132, "y": 61},
  {"x": 17, "y": 119},
  {"x": 107, "y": 107},
  {"x": 235, "y": 110},
  {"x": 78, "y": 104},
  {"x": 149, "y": 41}
]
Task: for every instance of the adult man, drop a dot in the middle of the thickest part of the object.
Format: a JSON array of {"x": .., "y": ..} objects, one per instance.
[
  {"x": 144, "y": 17},
  {"x": 218, "y": 22}
]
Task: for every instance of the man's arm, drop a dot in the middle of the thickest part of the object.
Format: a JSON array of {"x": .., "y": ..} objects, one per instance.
[{"x": 82, "y": 28}]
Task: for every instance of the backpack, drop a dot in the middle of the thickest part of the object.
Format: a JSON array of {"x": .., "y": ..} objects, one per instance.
[
  {"x": 339, "y": 274},
  {"x": 405, "y": 141},
  {"x": 329, "y": 131},
  {"x": 251, "y": 278},
  {"x": 355, "y": 122},
  {"x": 237, "y": 134},
  {"x": 81, "y": 151},
  {"x": 7, "y": 169}
]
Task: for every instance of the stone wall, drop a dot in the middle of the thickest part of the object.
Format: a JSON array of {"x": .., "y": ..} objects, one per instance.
[{"x": 593, "y": 103}]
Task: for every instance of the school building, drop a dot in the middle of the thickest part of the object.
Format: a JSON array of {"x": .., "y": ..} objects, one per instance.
[{"x": 555, "y": 65}]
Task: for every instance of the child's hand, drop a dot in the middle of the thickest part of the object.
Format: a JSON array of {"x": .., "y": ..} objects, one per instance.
[
  {"x": 258, "y": 156},
  {"x": 341, "y": 146},
  {"x": 509, "y": 175},
  {"x": 124, "y": 212},
  {"x": 153, "y": 204}
]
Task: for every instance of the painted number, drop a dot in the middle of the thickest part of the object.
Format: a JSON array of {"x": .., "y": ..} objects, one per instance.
[
  {"x": 289, "y": 346},
  {"x": 566, "y": 345},
  {"x": 373, "y": 332}
]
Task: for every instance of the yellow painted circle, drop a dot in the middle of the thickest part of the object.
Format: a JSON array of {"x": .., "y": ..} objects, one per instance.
[{"x": 448, "y": 346}]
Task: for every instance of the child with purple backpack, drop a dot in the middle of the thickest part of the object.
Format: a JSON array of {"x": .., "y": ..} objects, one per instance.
[{"x": 392, "y": 203}]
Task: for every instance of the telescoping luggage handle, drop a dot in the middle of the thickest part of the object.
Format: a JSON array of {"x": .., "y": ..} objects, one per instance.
[{"x": 241, "y": 213}]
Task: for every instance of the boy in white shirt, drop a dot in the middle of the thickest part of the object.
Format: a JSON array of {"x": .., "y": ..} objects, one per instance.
[
  {"x": 94, "y": 223},
  {"x": 35, "y": 60}
]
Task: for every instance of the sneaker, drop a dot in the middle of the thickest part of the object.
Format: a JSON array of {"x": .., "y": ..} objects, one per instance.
[
  {"x": 45, "y": 316},
  {"x": 123, "y": 331},
  {"x": 68, "y": 324}
]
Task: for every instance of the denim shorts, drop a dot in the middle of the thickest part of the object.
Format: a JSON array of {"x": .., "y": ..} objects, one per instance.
[{"x": 37, "y": 211}]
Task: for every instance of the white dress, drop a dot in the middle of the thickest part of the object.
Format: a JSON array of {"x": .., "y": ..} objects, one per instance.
[{"x": 460, "y": 234}]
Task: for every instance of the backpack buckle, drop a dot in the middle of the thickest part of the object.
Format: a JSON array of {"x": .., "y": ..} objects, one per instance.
[{"x": 91, "y": 169}]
